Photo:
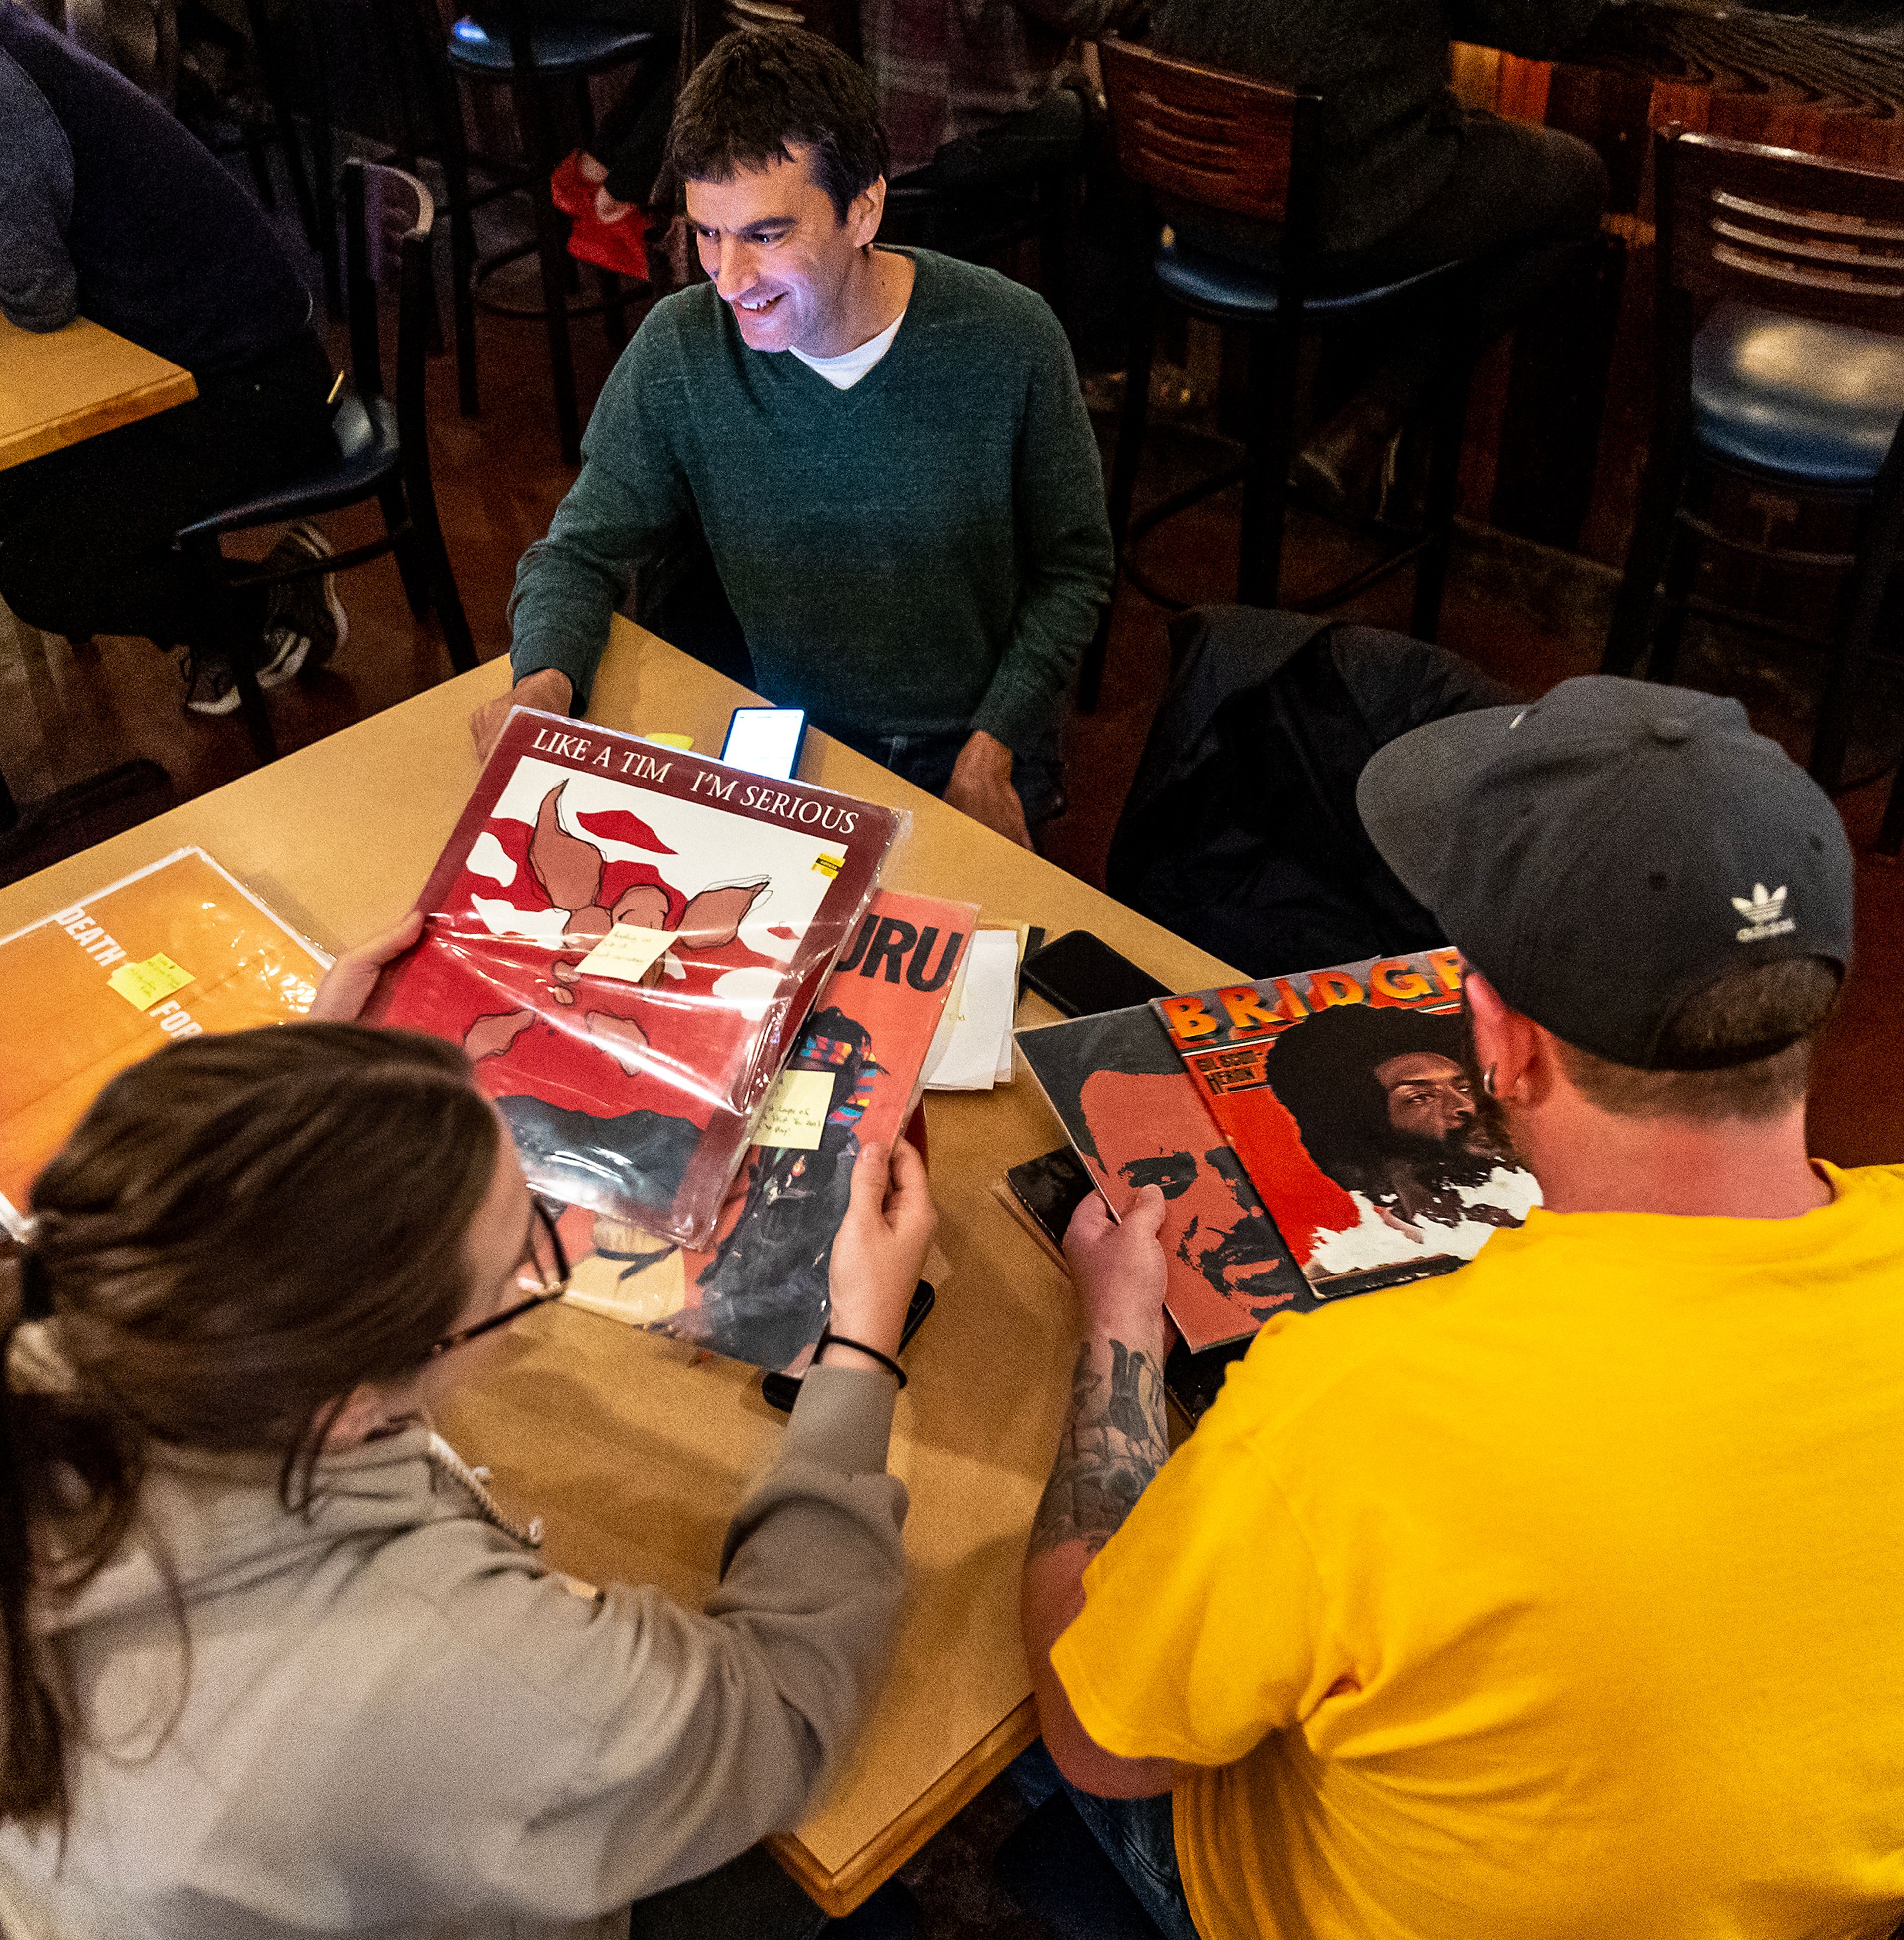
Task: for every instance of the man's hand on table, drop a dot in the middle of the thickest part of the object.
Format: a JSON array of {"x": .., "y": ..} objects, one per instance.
[
  {"x": 981, "y": 787},
  {"x": 553, "y": 693},
  {"x": 348, "y": 984},
  {"x": 878, "y": 1251}
]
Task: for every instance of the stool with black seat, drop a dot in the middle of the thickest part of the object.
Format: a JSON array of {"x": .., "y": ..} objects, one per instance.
[
  {"x": 537, "y": 62},
  {"x": 1780, "y": 363},
  {"x": 383, "y": 451},
  {"x": 1203, "y": 142}
]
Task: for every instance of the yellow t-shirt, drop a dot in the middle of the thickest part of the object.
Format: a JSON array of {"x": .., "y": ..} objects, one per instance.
[{"x": 1563, "y": 1597}]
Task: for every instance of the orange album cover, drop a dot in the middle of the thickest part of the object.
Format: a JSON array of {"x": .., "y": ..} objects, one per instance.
[
  {"x": 180, "y": 948},
  {"x": 1346, "y": 1093},
  {"x": 1136, "y": 1119}
]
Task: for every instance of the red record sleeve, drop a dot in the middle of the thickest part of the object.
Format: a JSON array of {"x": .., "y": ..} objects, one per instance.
[{"x": 626, "y": 939}]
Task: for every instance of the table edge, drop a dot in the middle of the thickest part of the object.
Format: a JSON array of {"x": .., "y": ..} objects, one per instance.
[{"x": 838, "y": 1893}]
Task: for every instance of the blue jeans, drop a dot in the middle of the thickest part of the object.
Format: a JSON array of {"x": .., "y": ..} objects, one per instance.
[
  {"x": 926, "y": 761},
  {"x": 1137, "y": 1835}
]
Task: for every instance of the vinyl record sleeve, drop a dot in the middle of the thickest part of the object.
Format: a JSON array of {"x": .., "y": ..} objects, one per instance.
[
  {"x": 70, "y": 1029},
  {"x": 758, "y": 1291},
  {"x": 1129, "y": 1106},
  {"x": 624, "y": 938},
  {"x": 1343, "y": 1092}
]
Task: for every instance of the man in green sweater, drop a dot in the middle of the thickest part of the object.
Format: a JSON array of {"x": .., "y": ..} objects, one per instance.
[{"x": 905, "y": 508}]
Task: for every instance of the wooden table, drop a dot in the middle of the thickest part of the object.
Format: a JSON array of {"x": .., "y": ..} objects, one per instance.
[
  {"x": 71, "y": 384},
  {"x": 634, "y": 1454}
]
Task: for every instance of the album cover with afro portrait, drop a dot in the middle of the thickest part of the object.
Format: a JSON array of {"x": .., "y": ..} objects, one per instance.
[{"x": 1348, "y": 1095}]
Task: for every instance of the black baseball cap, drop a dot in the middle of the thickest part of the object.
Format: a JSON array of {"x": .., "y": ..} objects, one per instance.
[{"x": 1603, "y": 853}]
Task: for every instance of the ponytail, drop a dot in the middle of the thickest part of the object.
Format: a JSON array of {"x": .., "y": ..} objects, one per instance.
[
  {"x": 242, "y": 1229},
  {"x": 40, "y": 1427}
]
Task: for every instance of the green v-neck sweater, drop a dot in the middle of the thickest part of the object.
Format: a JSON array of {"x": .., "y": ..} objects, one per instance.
[{"x": 925, "y": 553}]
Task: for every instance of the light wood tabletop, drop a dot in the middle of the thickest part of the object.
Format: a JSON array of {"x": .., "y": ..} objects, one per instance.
[
  {"x": 59, "y": 387},
  {"x": 635, "y": 1451}
]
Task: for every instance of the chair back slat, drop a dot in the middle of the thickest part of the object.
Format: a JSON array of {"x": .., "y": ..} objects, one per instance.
[
  {"x": 1778, "y": 230},
  {"x": 1201, "y": 135},
  {"x": 388, "y": 215}
]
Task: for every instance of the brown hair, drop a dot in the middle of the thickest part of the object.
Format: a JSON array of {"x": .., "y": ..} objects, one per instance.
[
  {"x": 763, "y": 92},
  {"x": 1784, "y": 1005},
  {"x": 242, "y": 1230}
]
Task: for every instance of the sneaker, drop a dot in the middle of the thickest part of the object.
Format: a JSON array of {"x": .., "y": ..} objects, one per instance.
[
  {"x": 209, "y": 687},
  {"x": 620, "y": 246},
  {"x": 305, "y": 624},
  {"x": 569, "y": 189}
]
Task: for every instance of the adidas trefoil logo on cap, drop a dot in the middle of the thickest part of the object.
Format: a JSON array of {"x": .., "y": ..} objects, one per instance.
[{"x": 1764, "y": 913}]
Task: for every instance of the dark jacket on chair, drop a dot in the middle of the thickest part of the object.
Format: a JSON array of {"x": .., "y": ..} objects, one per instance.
[{"x": 1241, "y": 833}]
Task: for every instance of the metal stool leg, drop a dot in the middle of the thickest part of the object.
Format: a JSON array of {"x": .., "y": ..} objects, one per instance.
[
  {"x": 411, "y": 566},
  {"x": 1890, "y": 837},
  {"x": 1682, "y": 562},
  {"x": 1449, "y": 422},
  {"x": 552, "y": 253},
  {"x": 1636, "y": 610},
  {"x": 1269, "y": 437},
  {"x": 240, "y": 649},
  {"x": 1125, "y": 461},
  {"x": 1861, "y": 600}
]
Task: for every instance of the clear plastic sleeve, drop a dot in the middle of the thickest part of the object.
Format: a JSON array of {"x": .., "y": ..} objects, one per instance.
[{"x": 626, "y": 939}]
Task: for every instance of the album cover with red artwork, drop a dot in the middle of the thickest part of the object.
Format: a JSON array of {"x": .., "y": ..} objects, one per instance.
[
  {"x": 758, "y": 1290},
  {"x": 1345, "y": 1093},
  {"x": 1121, "y": 1092},
  {"x": 626, "y": 939}
]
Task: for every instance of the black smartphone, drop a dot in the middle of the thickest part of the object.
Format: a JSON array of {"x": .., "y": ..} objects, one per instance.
[
  {"x": 1051, "y": 1187},
  {"x": 781, "y": 1391},
  {"x": 765, "y": 741},
  {"x": 1081, "y": 976}
]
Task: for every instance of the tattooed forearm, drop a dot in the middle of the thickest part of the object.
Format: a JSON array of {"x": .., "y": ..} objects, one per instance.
[{"x": 1114, "y": 1441}]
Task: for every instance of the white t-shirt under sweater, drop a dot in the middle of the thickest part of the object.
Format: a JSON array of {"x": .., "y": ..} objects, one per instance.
[{"x": 844, "y": 371}]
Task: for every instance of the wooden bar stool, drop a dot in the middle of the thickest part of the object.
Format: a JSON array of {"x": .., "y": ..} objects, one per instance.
[
  {"x": 1200, "y": 140},
  {"x": 1780, "y": 362}
]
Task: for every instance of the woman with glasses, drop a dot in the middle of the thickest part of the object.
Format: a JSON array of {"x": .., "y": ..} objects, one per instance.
[{"x": 276, "y": 1663}]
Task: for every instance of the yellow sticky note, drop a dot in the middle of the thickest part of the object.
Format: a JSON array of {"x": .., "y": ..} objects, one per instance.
[
  {"x": 626, "y": 952},
  {"x": 683, "y": 742},
  {"x": 143, "y": 984},
  {"x": 797, "y": 1110}
]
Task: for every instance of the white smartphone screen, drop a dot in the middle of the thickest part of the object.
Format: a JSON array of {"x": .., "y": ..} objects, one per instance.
[{"x": 765, "y": 740}]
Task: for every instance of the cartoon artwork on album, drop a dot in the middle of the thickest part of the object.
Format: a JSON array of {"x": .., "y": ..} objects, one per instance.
[{"x": 623, "y": 939}]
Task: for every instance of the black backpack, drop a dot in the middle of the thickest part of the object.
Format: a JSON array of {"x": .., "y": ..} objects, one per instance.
[{"x": 1241, "y": 833}]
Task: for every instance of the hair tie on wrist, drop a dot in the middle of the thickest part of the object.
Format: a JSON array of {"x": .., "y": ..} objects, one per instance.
[
  {"x": 35, "y": 1289},
  {"x": 829, "y": 1338}
]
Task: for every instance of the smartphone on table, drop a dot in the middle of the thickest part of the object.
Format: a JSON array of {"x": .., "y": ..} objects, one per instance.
[
  {"x": 1081, "y": 976},
  {"x": 765, "y": 741}
]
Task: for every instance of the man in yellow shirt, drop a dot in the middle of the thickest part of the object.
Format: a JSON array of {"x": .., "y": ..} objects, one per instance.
[{"x": 1564, "y": 1596}]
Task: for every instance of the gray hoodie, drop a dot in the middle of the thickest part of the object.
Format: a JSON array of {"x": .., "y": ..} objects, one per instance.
[{"x": 394, "y": 1721}]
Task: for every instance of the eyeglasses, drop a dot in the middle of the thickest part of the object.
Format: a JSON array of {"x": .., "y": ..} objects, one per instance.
[{"x": 542, "y": 1272}]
